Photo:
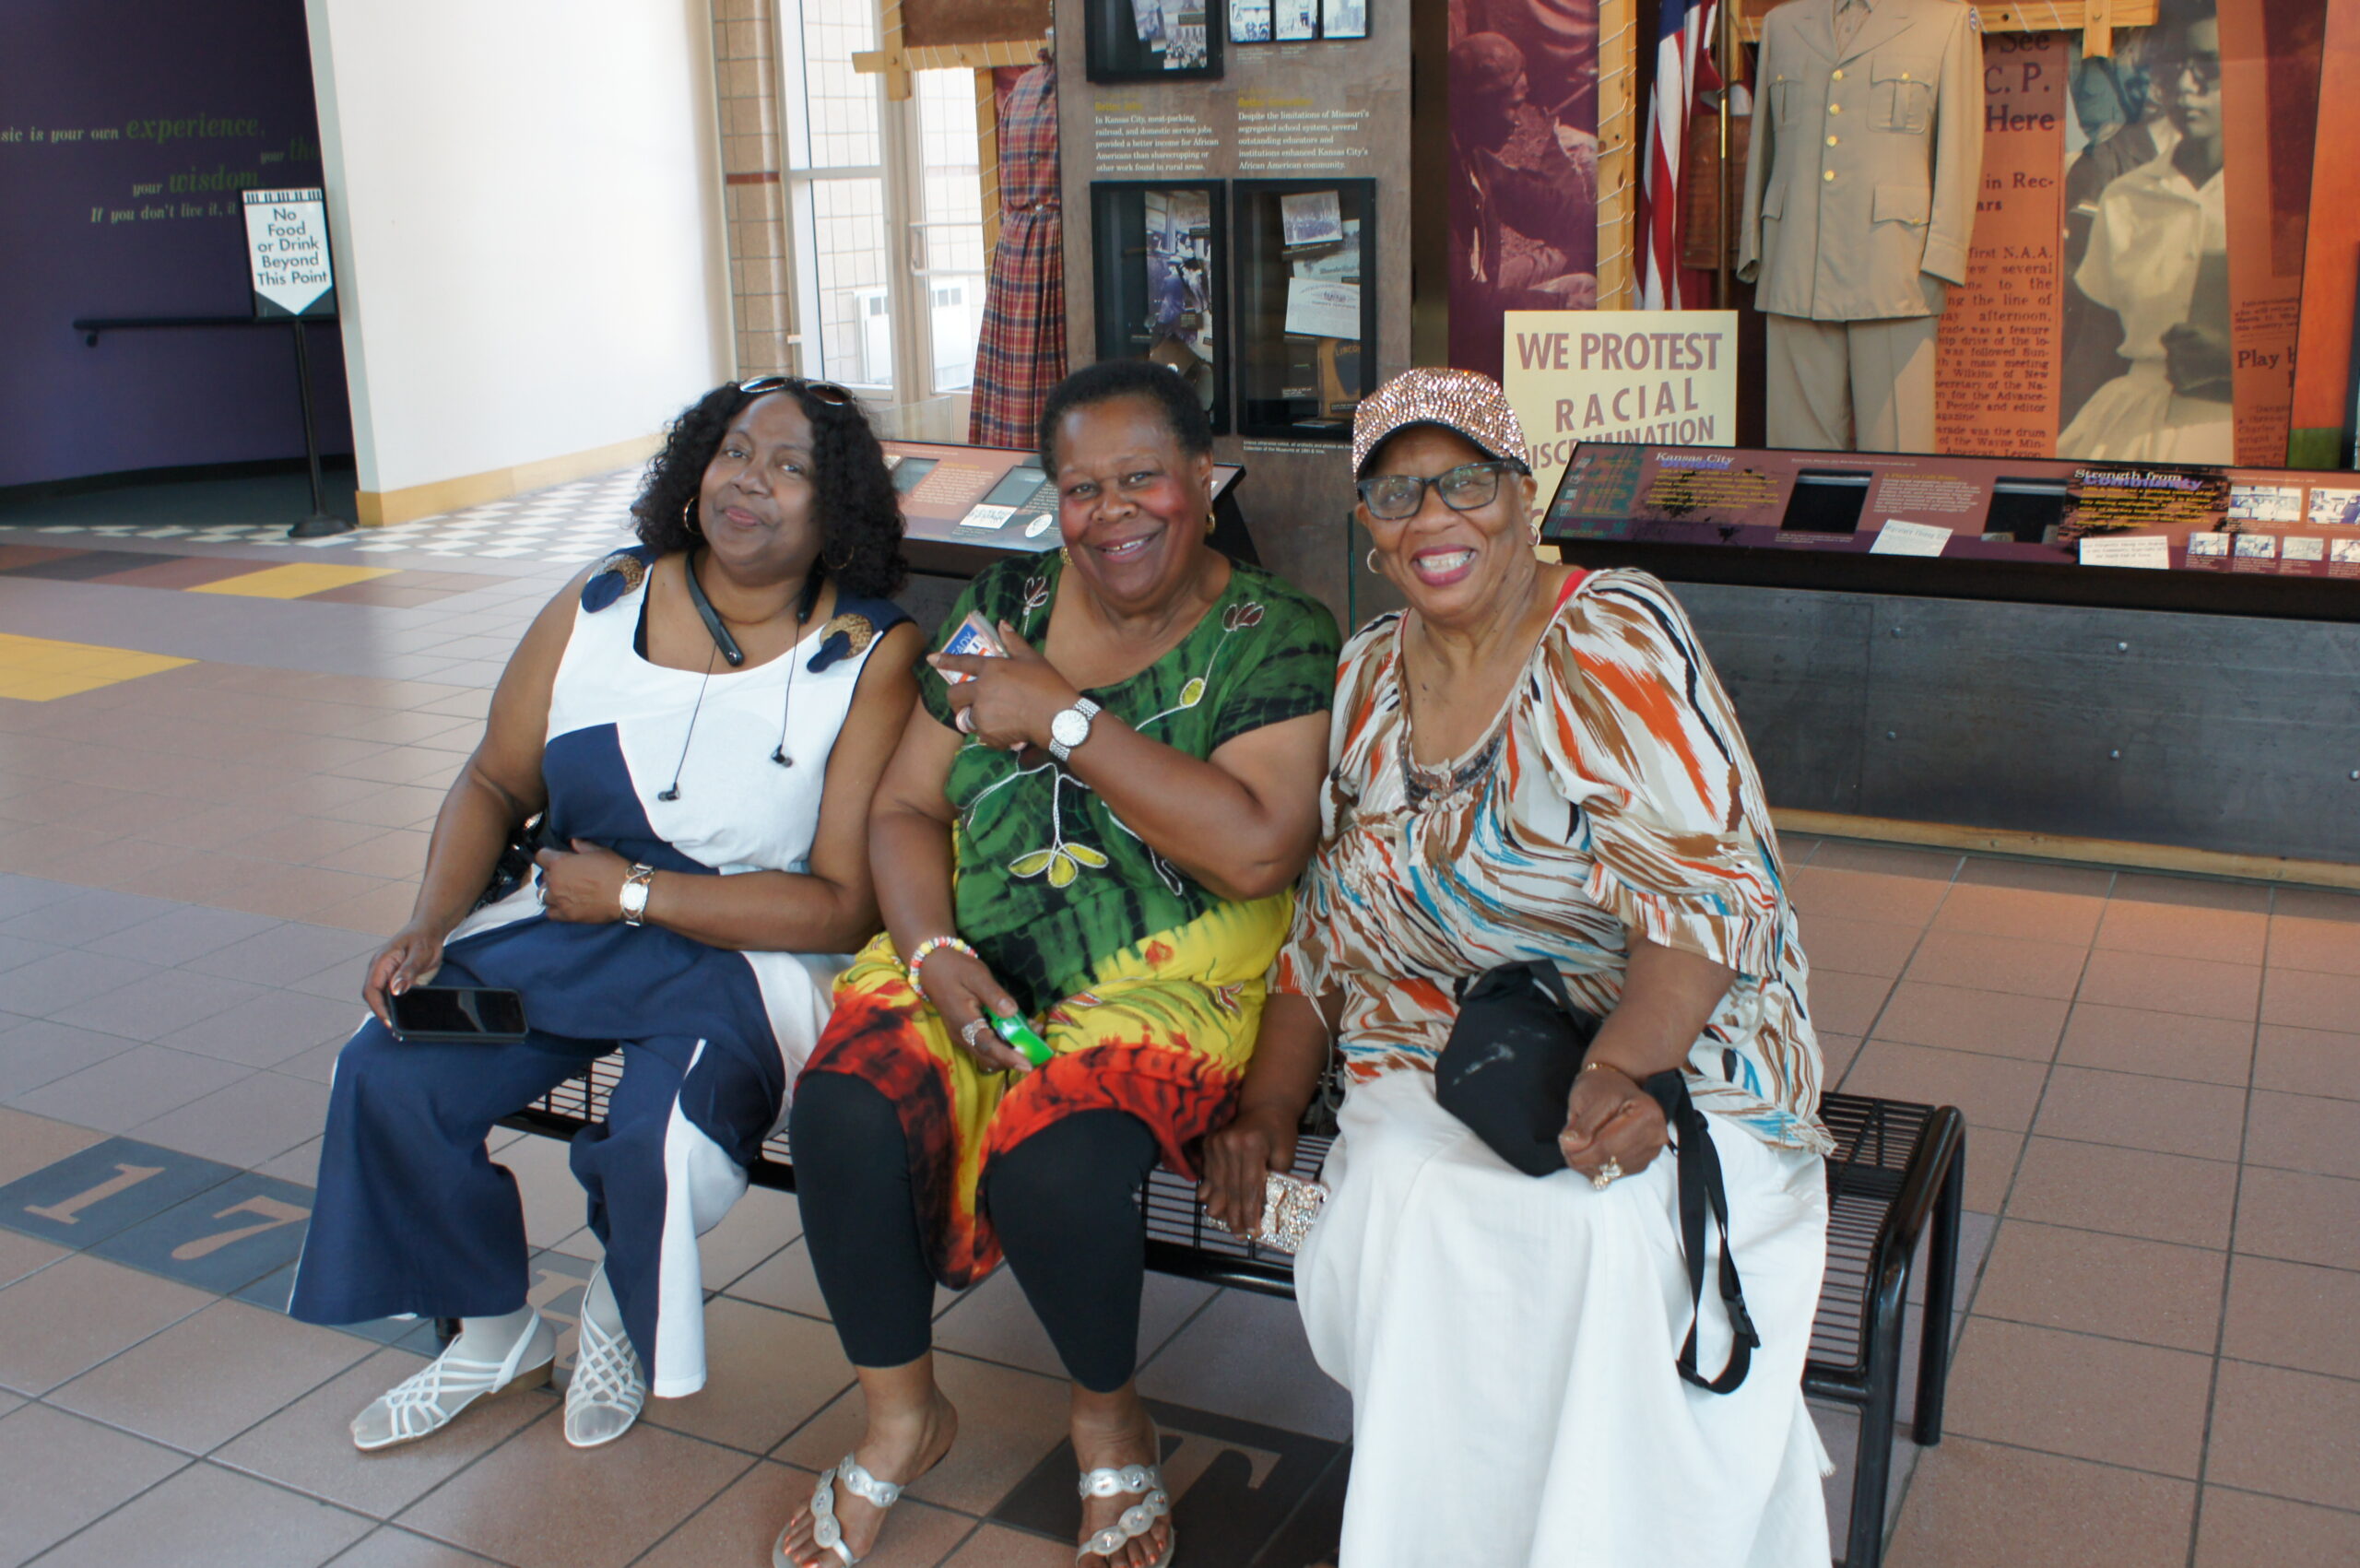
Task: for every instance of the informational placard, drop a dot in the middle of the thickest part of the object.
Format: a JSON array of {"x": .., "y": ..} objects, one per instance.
[
  {"x": 1665, "y": 377},
  {"x": 286, "y": 253}
]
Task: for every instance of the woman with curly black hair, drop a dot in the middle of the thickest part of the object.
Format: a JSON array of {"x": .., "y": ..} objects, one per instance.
[{"x": 701, "y": 722}]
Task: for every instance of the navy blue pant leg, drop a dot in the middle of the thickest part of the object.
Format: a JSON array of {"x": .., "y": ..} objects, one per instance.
[
  {"x": 412, "y": 1216},
  {"x": 664, "y": 1166}
]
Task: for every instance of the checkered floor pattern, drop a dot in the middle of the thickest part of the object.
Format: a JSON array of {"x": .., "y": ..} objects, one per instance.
[{"x": 566, "y": 523}]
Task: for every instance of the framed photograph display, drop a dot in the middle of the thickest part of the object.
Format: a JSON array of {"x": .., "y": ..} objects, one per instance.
[
  {"x": 1307, "y": 305},
  {"x": 1162, "y": 281},
  {"x": 1297, "y": 21},
  {"x": 1151, "y": 40}
]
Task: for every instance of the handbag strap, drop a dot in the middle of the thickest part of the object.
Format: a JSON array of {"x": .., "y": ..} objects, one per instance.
[{"x": 1701, "y": 1186}]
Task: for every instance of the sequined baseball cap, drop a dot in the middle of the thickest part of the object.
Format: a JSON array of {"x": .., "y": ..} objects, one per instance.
[{"x": 1464, "y": 401}]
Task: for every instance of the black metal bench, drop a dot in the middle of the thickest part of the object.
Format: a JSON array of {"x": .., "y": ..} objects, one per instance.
[{"x": 1897, "y": 1175}]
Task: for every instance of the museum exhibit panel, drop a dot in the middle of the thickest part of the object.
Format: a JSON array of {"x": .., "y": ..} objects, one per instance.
[
  {"x": 1162, "y": 281},
  {"x": 1307, "y": 305}
]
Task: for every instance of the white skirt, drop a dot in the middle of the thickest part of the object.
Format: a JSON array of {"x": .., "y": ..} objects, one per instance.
[{"x": 1509, "y": 1345}]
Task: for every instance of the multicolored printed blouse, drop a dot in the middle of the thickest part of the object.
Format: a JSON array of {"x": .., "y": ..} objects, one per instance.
[
  {"x": 1051, "y": 881},
  {"x": 1613, "y": 794}
]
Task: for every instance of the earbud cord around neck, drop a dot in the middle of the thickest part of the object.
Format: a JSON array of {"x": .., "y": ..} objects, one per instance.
[{"x": 727, "y": 647}]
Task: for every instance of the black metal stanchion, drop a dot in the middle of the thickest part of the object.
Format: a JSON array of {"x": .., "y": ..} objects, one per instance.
[{"x": 321, "y": 522}]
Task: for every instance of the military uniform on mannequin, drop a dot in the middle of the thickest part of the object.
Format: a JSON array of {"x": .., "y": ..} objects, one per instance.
[{"x": 1867, "y": 156}]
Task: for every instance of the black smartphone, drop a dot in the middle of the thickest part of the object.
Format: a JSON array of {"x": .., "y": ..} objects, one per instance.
[{"x": 461, "y": 1014}]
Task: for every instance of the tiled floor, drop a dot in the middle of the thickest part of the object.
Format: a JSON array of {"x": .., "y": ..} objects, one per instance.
[{"x": 2156, "y": 1365}]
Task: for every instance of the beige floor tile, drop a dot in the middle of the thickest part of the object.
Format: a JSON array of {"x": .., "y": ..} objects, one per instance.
[
  {"x": 2092, "y": 1283},
  {"x": 2299, "y": 1216},
  {"x": 20, "y": 1255},
  {"x": 2172, "y": 984},
  {"x": 1848, "y": 1003},
  {"x": 2011, "y": 964},
  {"x": 538, "y": 1504},
  {"x": 60, "y": 1323},
  {"x": 1991, "y": 1167},
  {"x": 61, "y": 1472},
  {"x": 1992, "y": 1091},
  {"x": 1245, "y": 1356},
  {"x": 2065, "y": 919},
  {"x": 992, "y": 1322},
  {"x": 2304, "y": 1132},
  {"x": 2136, "y": 1040},
  {"x": 761, "y": 1223},
  {"x": 2161, "y": 1113},
  {"x": 2039, "y": 875},
  {"x": 2309, "y": 1000},
  {"x": 308, "y": 1446},
  {"x": 737, "y": 1528},
  {"x": 381, "y": 912},
  {"x": 307, "y": 841},
  {"x": 2292, "y": 1314},
  {"x": 768, "y": 1372},
  {"x": 2131, "y": 1192},
  {"x": 1955, "y": 1017},
  {"x": 2239, "y": 1529},
  {"x": 1857, "y": 947},
  {"x": 1008, "y": 1421},
  {"x": 997, "y": 1545},
  {"x": 2329, "y": 946},
  {"x": 392, "y": 1548},
  {"x": 1978, "y": 1506},
  {"x": 2287, "y": 1433},
  {"x": 1836, "y": 1054},
  {"x": 298, "y": 892},
  {"x": 209, "y": 1517},
  {"x": 2119, "y": 1404},
  {"x": 785, "y": 1281},
  {"x": 2308, "y": 1061},
  {"x": 400, "y": 854},
  {"x": 208, "y": 1377},
  {"x": 30, "y": 1143},
  {"x": 2182, "y": 930},
  {"x": 1864, "y": 895}
]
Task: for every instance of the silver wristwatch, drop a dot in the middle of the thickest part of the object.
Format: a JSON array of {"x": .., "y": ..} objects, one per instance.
[
  {"x": 634, "y": 893},
  {"x": 1071, "y": 727}
]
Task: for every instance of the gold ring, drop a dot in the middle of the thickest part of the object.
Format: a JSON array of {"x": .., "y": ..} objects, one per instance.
[{"x": 1606, "y": 1175}]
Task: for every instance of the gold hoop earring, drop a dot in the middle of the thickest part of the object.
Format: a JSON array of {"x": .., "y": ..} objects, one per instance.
[
  {"x": 686, "y": 521},
  {"x": 1374, "y": 570},
  {"x": 1211, "y": 522}
]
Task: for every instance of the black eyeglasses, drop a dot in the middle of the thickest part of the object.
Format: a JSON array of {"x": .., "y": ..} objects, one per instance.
[
  {"x": 2202, "y": 68},
  {"x": 827, "y": 392},
  {"x": 1395, "y": 497}
]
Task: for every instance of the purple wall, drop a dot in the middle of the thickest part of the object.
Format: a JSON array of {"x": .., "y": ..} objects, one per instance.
[{"x": 177, "y": 105}]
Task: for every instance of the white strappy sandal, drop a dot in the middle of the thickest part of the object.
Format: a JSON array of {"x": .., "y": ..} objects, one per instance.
[
  {"x": 433, "y": 1398},
  {"x": 608, "y": 1388},
  {"x": 825, "y": 1531},
  {"x": 1146, "y": 1481}
]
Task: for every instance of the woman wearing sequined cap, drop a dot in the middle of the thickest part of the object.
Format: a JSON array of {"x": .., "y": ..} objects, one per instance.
[
  {"x": 703, "y": 718},
  {"x": 1532, "y": 762}
]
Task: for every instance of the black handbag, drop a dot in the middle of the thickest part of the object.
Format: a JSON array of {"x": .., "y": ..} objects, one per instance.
[
  {"x": 1507, "y": 1071},
  {"x": 515, "y": 862}
]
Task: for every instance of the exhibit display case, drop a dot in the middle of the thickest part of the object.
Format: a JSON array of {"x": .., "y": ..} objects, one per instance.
[
  {"x": 1161, "y": 288},
  {"x": 2245, "y": 541},
  {"x": 1305, "y": 305},
  {"x": 1147, "y": 40}
]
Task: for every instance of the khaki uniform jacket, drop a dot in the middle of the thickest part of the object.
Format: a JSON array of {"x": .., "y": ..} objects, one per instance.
[{"x": 1867, "y": 160}]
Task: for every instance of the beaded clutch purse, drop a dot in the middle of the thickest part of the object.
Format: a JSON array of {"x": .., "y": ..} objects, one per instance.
[{"x": 1289, "y": 1207}]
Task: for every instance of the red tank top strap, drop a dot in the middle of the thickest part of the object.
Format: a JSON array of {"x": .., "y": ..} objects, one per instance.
[{"x": 1572, "y": 581}]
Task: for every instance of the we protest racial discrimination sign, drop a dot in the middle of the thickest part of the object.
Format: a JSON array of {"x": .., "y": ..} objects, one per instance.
[
  {"x": 286, "y": 253},
  {"x": 1663, "y": 377}
]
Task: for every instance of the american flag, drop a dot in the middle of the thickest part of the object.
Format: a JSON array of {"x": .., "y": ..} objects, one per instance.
[{"x": 1684, "y": 43}]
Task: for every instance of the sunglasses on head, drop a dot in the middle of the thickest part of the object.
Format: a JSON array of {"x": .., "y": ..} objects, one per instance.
[{"x": 826, "y": 392}]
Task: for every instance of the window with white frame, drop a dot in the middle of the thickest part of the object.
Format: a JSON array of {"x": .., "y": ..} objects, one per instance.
[{"x": 885, "y": 202}]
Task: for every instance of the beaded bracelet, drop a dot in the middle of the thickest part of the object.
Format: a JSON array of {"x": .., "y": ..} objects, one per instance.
[{"x": 925, "y": 951}]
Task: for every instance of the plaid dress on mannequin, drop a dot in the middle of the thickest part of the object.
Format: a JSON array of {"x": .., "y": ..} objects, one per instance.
[{"x": 1020, "y": 352}]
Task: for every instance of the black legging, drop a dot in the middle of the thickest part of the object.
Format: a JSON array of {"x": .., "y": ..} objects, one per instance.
[{"x": 1064, "y": 1201}]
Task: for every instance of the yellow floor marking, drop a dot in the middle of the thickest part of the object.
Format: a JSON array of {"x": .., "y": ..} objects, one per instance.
[
  {"x": 293, "y": 582},
  {"x": 37, "y": 669}
]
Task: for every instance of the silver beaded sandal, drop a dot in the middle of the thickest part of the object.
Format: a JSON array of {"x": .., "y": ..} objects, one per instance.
[
  {"x": 825, "y": 1531},
  {"x": 1146, "y": 1481}
]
